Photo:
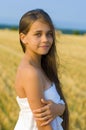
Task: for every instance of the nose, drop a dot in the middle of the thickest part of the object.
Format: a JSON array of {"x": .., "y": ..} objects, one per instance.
[{"x": 44, "y": 38}]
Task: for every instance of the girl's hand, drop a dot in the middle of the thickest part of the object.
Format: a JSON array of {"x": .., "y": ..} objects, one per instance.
[{"x": 46, "y": 113}]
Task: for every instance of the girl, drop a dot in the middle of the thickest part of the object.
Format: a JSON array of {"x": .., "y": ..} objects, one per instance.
[{"x": 39, "y": 95}]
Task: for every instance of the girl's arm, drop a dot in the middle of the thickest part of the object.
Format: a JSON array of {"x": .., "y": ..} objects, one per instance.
[
  {"x": 32, "y": 85},
  {"x": 49, "y": 111}
]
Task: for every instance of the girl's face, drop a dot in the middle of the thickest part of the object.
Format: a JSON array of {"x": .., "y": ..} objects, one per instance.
[{"x": 39, "y": 39}]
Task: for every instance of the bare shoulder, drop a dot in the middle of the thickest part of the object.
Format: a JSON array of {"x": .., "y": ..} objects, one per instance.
[
  {"x": 27, "y": 74},
  {"x": 31, "y": 78},
  {"x": 30, "y": 73},
  {"x": 30, "y": 70}
]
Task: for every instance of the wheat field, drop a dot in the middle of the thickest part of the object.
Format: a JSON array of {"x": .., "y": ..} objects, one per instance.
[{"x": 72, "y": 64}]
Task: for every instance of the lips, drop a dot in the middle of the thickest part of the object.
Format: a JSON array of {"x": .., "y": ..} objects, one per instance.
[{"x": 45, "y": 46}]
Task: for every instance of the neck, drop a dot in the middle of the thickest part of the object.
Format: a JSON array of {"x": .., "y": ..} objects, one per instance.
[{"x": 34, "y": 59}]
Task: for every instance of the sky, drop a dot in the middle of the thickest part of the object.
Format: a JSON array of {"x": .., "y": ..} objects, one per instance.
[{"x": 70, "y": 14}]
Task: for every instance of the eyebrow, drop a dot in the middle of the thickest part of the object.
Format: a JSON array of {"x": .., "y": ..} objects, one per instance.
[{"x": 41, "y": 31}]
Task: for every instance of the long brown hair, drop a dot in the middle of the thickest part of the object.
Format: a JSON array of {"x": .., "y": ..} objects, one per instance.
[{"x": 48, "y": 61}]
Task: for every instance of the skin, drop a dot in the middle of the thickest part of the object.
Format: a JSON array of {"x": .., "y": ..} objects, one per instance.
[
  {"x": 37, "y": 41},
  {"x": 50, "y": 111}
]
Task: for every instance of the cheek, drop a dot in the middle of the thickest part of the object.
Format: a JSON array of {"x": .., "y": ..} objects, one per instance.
[
  {"x": 33, "y": 41},
  {"x": 51, "y": 41},
  {"x": 32, "y": 44}
]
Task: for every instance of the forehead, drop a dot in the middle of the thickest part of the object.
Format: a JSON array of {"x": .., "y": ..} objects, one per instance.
[{"x": 39, "y": 25}]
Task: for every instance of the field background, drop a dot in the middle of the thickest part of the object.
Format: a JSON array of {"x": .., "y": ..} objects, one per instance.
[{"x": 72, "y": 73}]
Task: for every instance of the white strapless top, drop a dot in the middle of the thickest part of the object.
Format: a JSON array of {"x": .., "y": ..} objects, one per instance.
[{"x": 26, "y": 120}]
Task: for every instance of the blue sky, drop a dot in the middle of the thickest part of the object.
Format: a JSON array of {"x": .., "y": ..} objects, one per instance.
[{"x": 64, "y": 13}]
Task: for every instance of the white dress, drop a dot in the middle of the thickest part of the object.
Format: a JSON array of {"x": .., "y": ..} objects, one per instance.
[{"x": 26, "y": 120}]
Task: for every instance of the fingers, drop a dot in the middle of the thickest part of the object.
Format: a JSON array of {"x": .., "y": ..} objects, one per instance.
[
  {"x": 40, "y": 110},
  {"x": 47, "y": 122},
  {"x": 45, "y": 118},
  {"x": 45, "y": 101},
  {"x": 40, "y": 115},
  {"x": 43, "y": 113}
]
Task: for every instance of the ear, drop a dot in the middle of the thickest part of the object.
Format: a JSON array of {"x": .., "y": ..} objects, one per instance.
[{"x": 23, "y": 37}]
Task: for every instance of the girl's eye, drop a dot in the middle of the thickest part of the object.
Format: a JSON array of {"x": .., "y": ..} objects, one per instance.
[
  {"x": 50, "y": 34},
  {"x": 38, "y": 34}
]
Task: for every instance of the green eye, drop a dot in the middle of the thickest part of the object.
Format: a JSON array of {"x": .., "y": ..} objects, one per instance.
[
  {"x": 38, "y": 34},
  {"x": 50, "y": 34}
]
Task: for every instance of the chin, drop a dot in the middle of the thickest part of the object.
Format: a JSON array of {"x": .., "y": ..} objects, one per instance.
[{"x": 44, "y": 53}]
